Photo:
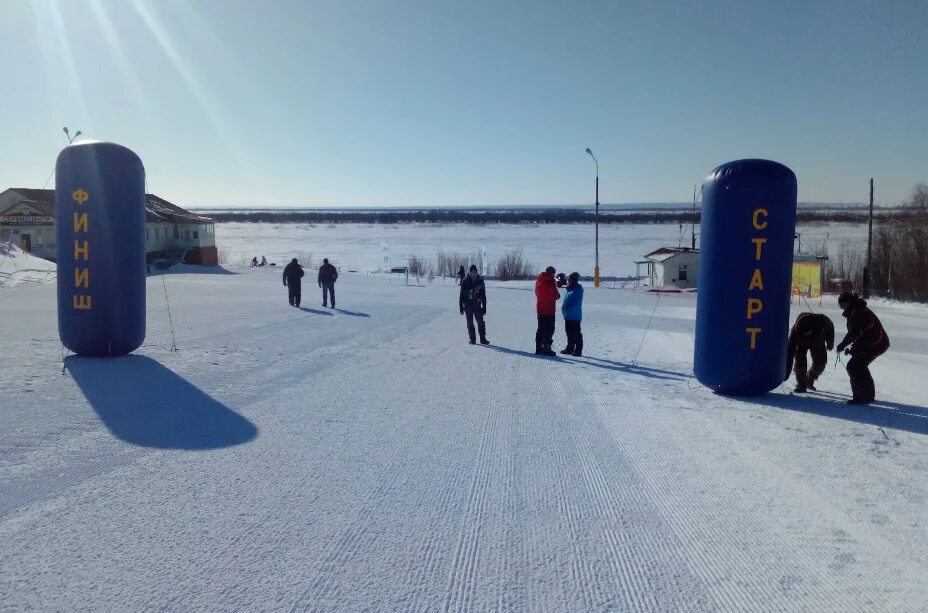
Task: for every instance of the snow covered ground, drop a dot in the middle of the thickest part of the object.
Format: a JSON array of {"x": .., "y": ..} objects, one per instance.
[
  {"x": 370, "y": 459},
  {"x": 566, "y": 246},
  {"x": 18, "y": 267}
]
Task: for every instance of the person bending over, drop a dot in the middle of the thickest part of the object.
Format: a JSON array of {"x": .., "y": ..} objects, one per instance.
[{"x": 812, "y": 333}]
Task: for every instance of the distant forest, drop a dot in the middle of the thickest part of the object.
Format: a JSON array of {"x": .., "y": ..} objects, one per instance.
[{"x": 553, "y": 216}]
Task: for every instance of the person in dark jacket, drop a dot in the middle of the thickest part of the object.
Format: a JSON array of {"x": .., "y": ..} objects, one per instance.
[
  {"x": 293, "y": 275},
  {"x": 327, "y": 278},
  {"x": 461, "y": 274},
  {"x": 546, "y": 297},
  {"x": 811, "y": 333},
  {"x": 472, "y": 302},
  {"x": 866, "y": 340},
  {"x": 572, "y": 310}
]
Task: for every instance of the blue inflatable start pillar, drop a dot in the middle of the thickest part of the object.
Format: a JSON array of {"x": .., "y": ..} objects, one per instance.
[
  {"x": 100, "y": 227},
  {"x": 745, "y": 271}
]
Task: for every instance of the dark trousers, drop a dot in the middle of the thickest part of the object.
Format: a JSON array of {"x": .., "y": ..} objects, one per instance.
[
  {"x": 328, "y": 293},
  {"x": 574, "y": 336},
  {"x": 293, "y": 295},
  {"x": 804, "y": 374},
  {"x": 544, "y": 336},
  {"x": 862, "y": 385},
  {"x": 471, "y": 313}
]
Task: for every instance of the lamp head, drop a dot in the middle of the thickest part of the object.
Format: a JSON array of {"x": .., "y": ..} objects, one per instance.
[
  {"x": 587, "y": 149},
  {"x": 65, "y": 129}
]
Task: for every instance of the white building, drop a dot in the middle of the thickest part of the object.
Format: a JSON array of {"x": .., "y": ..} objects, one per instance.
[
  {"x": 27, "y": 218},
  {"x": 671, "y": 267}
]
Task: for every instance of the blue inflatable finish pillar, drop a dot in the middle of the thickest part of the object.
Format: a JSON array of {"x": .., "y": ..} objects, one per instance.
[
  {"x": 100, "y": 226},
  {"x": 745, "y": 271}
]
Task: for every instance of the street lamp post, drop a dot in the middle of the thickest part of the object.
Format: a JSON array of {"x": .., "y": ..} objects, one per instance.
[
  {"x": 596, "y": 269},
  {"x": 70, "y": 138}
]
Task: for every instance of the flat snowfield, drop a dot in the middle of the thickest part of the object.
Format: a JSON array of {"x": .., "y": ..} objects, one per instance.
[{"x": 370, "y": 459}]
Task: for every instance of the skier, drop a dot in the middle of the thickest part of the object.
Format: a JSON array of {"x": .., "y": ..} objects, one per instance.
[
  {"x": 293, "y": 273},
  {"x": 572, "y": 310},
  {"x": 461, "y": 274},
  {"x": 546, "y": 297},
  {"x": 866, "y": 340},
  {"x": 327, "y": 277},
  {"x": 473, "y": 303},
  {"x": 254, "y": 262},
  {"x": 811, "y": 333}
]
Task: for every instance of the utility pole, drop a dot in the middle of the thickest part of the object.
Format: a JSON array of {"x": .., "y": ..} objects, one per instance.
[
  {"x": 596, "y": 268},
  {"x": 693, "y": 227},
  {"x": 867, "y": 268}
]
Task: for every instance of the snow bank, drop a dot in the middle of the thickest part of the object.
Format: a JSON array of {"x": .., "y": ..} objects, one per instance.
[
  {"x": 568, "y": 247},
  {"x": 20, "y": 268}
]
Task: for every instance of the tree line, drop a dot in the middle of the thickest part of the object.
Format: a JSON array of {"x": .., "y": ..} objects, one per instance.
[
  {"x": 553, "y": 216},
  {"x": 899, "y": 257}
]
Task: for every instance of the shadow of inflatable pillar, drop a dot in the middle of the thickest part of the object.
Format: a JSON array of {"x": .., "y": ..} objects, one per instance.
[{"x": 146, "y": 404}]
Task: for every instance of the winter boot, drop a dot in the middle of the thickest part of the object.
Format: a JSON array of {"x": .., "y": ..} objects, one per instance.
[
  {"x": 578, "y": 348},
  {"x": 484, "y": 341},
  {"x": 858, "y": 401},
  {"x": 567, "y": 350},
  {"x": 546, "y": 350},
  {"x": 800, "y": 389},
  {"x": 472, "y": 342}
]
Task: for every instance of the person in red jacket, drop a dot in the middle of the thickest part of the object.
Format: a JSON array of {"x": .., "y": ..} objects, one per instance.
[{"x": 546, "y": 297}]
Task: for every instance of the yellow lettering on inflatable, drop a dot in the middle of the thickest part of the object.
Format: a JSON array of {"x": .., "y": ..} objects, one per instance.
[
  {"x": 80, "y": 222},
  {"x": 757, "y": 282},
  {"x": 755, "y": 306},
  {"x": 81, "y": 277},
  {"x": 758, "y": 247},
  {"x": 81, "y": 249},
  {"x": 81, "y": 302},
  {"x": 753, "y": 332},
  {"x": 758, "y": 224}
]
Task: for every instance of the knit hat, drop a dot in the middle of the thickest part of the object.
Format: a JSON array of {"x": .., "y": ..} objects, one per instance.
[{"x": 847, "y": 298}]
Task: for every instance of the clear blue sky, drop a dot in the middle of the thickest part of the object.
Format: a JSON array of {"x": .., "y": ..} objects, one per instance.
[{"x": 416, "y": 103}]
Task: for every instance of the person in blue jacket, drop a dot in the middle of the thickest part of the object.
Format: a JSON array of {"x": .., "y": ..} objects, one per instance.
[{"x": 572, "y": 310}]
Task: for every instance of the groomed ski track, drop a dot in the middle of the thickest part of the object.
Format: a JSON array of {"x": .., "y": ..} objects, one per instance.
[{"x": 370, "y": 459}]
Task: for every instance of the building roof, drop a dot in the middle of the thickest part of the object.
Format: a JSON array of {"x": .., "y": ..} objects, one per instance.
[
  {"x": 807, "y": 257},
  {"x": 665, "y": 253},
  {"x": 44, "y": 208},
  {"x": 156, "y": 208}
]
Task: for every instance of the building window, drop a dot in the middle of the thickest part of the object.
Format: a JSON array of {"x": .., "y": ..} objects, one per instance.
[
  {"x": 683, "y": 274},
  {"x": 196, "y": 234}
]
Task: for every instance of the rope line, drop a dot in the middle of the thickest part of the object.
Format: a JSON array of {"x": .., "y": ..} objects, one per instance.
[
  {"x": 170, "y": 319},
  {"x": 648, "y": 327}
]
